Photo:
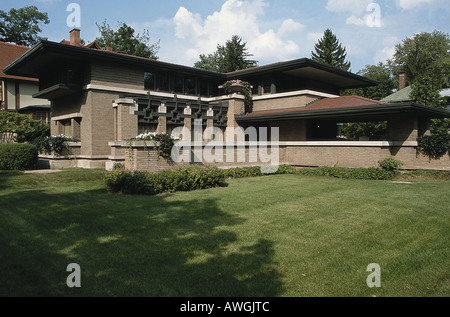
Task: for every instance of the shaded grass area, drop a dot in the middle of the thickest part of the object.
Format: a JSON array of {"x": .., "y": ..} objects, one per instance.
[{"x": 283, "y": 235}]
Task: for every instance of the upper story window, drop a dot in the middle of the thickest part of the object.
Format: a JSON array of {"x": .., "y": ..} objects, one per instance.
[
  {"x": 178, "y": 84},
  {"x": 189, "y": 86},
  {"x": 164, "y": 83},
  {"x": 149, "y": 81}
]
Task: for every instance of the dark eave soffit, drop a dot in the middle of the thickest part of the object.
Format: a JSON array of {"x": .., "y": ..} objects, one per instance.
[{"x": 45, "y": 52}]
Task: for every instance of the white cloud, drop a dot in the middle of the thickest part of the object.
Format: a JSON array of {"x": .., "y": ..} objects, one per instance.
[
  {"x": 384, "y": 54},
  {"x": 356, "y": 21},
  {"x": 236, "y": 17},
  {"x": 410, "y": 4},
  {"x": 372, "y": 10},
  {"x": 289, "y": 26},
  {"x": 388, "y": 51},
  {"x": 186, "y": 23},
  {"x": 356, "y": 7}
]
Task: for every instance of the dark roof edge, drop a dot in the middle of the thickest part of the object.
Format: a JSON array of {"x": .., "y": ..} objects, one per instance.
[
  {"x": 31, "y": 51},
  {"x": 300, "y": 62},
  {"x": 399, "y": 107},
  {"x": 43, "y": 44},
  {"x": 108, "y": 55}
]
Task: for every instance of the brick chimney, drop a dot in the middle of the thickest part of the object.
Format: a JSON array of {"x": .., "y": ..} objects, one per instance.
[
  {"x": 109, "y": 49},
  {"x": 75, "y": 37},
  {"x": 401, "y": 81}
]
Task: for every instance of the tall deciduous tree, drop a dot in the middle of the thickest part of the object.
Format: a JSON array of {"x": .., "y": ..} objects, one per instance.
[
  {"x": 329, "y": 51},
  {"x": 424, "y": 54},
  {"x": 22, "y": 26},
  {"x": 380, "y": 73},
  {"x": 125, "y": 40},
  {"x": 228, "y": 58}
]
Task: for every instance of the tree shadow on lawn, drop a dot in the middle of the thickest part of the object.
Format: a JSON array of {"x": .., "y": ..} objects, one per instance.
[{"x": 129, "y": 246}]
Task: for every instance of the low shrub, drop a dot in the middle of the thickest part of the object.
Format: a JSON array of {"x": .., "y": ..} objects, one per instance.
[
  {"x": 53, "y": 144},
  {"x": 181, "y": 179},
  {"x": 390, "y": 164},
  {"x": 434, "y": 146},
  {"x": 354, "y": 173},
  {"x": 253, "y": 171},
  {"x": 18, "y": 156}
]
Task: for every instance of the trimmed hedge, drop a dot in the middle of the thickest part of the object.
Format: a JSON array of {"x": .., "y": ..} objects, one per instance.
[
  {"x": 18, "y": 156},
  {"x": 191, "y": 178},
  {"x": 372, "y": 173},
  {"x": 240, "y": 172},
  {"x": 181, "y": 179}
]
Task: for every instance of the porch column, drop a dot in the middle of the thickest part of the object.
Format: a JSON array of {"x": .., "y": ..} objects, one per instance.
[
  {"x": 187, "y": 124},
  {"x": 126, "y": 122},
  {"x": 162, "y": 120},
  {"x": 236, "y": 107},
  {"x": 209, "y": 120},
  {"x": 76, "y": 130}
]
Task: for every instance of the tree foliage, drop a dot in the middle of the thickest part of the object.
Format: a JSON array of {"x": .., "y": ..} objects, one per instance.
[
  {"x": 27, "y": 129},
  {"x": 22, "y": 26},
  {"x": 383, "y": 75},
  {"x": 424, "y": 54},
  {"x": 230, "y": 57},
  {"x": 329, "y": 51},
  {"x": 125, "y": 40}
]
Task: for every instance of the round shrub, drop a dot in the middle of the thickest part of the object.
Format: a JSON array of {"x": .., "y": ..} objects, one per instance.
[
  {"x": 18, "y": 156},
  {"x": 390, "y": 164}
]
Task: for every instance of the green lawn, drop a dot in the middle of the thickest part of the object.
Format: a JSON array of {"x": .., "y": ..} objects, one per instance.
[{"x": 272, "y": 236}]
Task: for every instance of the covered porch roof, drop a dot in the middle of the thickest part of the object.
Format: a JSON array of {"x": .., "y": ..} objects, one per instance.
[{"x": 346, "y": 109}]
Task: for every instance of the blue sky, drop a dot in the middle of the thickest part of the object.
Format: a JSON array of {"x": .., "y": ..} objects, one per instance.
[{"x": 275, "y": 30}]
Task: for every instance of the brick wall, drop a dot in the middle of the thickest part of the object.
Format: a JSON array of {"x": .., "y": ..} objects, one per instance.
[
  {"x": 283, "y": 103},
  {"x": 147, "y": 159}
]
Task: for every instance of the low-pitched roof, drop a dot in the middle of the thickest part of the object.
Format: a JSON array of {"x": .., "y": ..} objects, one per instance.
[
  {"x": 348, "y": 107},
  {"x": 8, "y": 54},
  {"x": 45, "y": 51},
  {"x": 403, "y": 95}
]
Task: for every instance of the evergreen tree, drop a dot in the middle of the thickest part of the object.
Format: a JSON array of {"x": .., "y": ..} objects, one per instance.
[
  {"x": 228, "y": 58},
  {"x": 329, "y": 51}
]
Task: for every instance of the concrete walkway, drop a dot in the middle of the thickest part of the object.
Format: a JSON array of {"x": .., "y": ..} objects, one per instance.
[{"x": 42, "y": 171}]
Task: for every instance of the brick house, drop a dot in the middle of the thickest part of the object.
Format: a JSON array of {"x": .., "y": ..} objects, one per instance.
[
  {"x": 16, "y": 92},
  {"x": 104, "y": 98}
]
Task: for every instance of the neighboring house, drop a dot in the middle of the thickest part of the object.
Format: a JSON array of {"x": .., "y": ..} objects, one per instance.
[
  {"x": 104, "y": 98},
  {"x": 403, "y": 94},
  {"x": 16, "y": 92}
]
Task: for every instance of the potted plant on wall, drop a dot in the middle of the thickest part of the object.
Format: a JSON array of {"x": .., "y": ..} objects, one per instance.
[{"x": 237, "y": 86}]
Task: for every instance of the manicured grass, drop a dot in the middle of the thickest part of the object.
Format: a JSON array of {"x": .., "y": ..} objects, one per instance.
[{"x": 283, "y": 235}]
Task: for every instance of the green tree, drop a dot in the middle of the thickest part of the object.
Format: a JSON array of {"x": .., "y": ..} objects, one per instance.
[
  {"x": 424, "y": 54},
  {"x": 22, "y": 26},
  {"x": 386, "y": 84},
  {"x": 27, "y": 129},
  {"x": 231, "y": 57},
  {"x": 209, "y": 62},
  {"x": 381, "y": 73},
  {"x": 329, "y": 51},
  {"x": 125, "y": 40},
  {"x": 426, "y": 91}
]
